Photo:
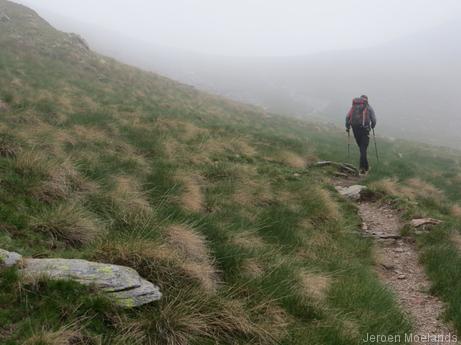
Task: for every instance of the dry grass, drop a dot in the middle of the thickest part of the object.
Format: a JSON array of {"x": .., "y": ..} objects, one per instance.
[
  {"x": 456, "y": 211},
  {"x": 62, "y": 183},
  {"x": 188, "y": 130},
  {"x": 314, "y": 285},
  {"x": 252, "y": 268},
  {"x": 244, "y": 148},
  {"x": 331, "y": 208},
  {"x": 251, "y": 192},
  {"x": 129, "y": 197},
  {"x": 411, "y": 189},
  {"x": 192, "y": 198},
  {"x": 189, "y": 318},
  {"x": 249, "y": 240},
  {"x": 69, "y": 223},
  {"x": 196, "y": 259},
  {"x": 33, "y": 162},
  {"x": 291, "y": 159},
  {"x": 386, "y": 186},
  {"x": 69, "y": 335},
  {"x": 456, "y": 239},
  {"x": 424, "y": 190}
]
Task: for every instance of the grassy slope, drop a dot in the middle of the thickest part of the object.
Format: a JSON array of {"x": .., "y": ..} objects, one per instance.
[{"x": 209, "y": 199}]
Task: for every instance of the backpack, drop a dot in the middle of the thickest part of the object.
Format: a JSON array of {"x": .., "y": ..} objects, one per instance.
[{"x": 358, "y": 115}]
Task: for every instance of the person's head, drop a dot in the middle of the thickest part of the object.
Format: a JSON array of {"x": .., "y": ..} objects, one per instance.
[{"x": 365, "y": 97}]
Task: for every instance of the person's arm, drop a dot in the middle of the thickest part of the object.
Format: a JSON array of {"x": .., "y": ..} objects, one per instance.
[{"x": 372, "y": 116}]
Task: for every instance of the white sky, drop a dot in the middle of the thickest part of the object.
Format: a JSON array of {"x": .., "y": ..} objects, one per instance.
[{"x": 258, "y": 27}]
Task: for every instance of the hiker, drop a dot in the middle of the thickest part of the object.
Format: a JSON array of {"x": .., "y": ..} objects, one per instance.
[{"x": 361, "y": 118}]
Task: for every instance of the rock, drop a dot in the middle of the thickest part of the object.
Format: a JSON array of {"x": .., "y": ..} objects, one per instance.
[
  {"x": 123, "y": 285},
  {"x": 402, "y": 276},
  {"x": 344, "y": 168},
  {"x": 388, "y": 265},
  {"x": 352, "y": 192},
  {"x": 9, "y": 259},
  {"x": 416, "y": 223},
  {"x": 386, "y": 236}
]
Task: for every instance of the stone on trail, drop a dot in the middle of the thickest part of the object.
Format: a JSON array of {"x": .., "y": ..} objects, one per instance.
[
  {"x": 9, "y": 259},
  {"x": 123, "y": 285},
  {"x": 352, "y": 192},
  {"x": 424, "y": 221}
]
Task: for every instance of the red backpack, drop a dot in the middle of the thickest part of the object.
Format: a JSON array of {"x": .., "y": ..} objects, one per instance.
[{"x": 358, "y": 115}]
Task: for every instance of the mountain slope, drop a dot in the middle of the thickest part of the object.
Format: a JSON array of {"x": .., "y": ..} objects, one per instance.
[
  {"x": 214, "y": 201},
  {"x": 411, "y": 81}
]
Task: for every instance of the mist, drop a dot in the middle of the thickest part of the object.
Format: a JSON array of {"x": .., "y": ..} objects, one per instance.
[{"x": 296, "y": 58}]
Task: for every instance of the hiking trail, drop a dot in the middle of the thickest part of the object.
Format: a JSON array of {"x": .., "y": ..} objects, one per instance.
[{"x": 398, "y": 266}]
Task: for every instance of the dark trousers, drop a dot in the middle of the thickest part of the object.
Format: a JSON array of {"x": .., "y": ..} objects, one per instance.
[{"x": 362, "y": 137}]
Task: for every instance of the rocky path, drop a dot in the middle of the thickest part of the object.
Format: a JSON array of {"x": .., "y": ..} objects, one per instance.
[{"x": 399, "y": 268}]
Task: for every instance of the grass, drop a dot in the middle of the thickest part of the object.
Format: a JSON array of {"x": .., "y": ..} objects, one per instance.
[{"x": 214, "y": 201}]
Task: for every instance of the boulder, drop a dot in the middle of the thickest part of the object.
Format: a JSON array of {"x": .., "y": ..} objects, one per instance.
[
  {"x": 123, "y": 285},
  {"x": 353, "y": 192}
]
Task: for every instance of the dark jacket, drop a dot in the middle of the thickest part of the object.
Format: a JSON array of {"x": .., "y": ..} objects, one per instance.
[{"x": 370, "y": 121}]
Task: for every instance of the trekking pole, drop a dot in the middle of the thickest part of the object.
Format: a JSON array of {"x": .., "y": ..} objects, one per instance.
[
  {"x": 376, "y": 145},
  {"x": 348, "y": 146}
]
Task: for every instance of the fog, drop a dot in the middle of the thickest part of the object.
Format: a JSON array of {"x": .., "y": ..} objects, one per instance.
[{"x": 294, "y": 57}]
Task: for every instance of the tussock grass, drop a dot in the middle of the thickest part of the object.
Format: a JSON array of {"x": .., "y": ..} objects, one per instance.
[
  {"x": 291, "y": 159},
  {"x": 64, "y": 182},
  {"x": 189, "y": 318},
  {"x": 192, "y": 198},
  {"x": 314, "y": 285},
  {"x": 192, "y": 248},
  {"x": 33, "y": 162},
  {"x": 129, "y": 196},
  {"x": 456, "y": 211},
  {"x": 66, "y": 335},
  {"x": 69, "y": 223},
  {"x": 252, "y": 268}
]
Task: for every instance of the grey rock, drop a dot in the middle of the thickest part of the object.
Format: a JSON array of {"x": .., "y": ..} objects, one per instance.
[
  {"x": 425, "y": 221},
  {"x": 352, "y": 192},
  {"x": 9, "y": 259},
  {"x": 123, "y": 285}
]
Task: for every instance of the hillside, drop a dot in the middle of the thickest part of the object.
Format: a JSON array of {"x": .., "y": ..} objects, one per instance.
[
  {"x": 411, "y": 81},
  {"x": 216, "y": 202}
]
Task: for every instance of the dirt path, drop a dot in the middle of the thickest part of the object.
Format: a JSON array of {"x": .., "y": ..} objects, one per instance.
[{"x": 399, "y": 268}]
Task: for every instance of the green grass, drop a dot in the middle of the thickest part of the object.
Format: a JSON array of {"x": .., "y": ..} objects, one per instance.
[{"x": 105, "y": 159}]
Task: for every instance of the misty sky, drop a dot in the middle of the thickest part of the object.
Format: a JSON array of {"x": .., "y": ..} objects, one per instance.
[{"x": 257, "y": 27}]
